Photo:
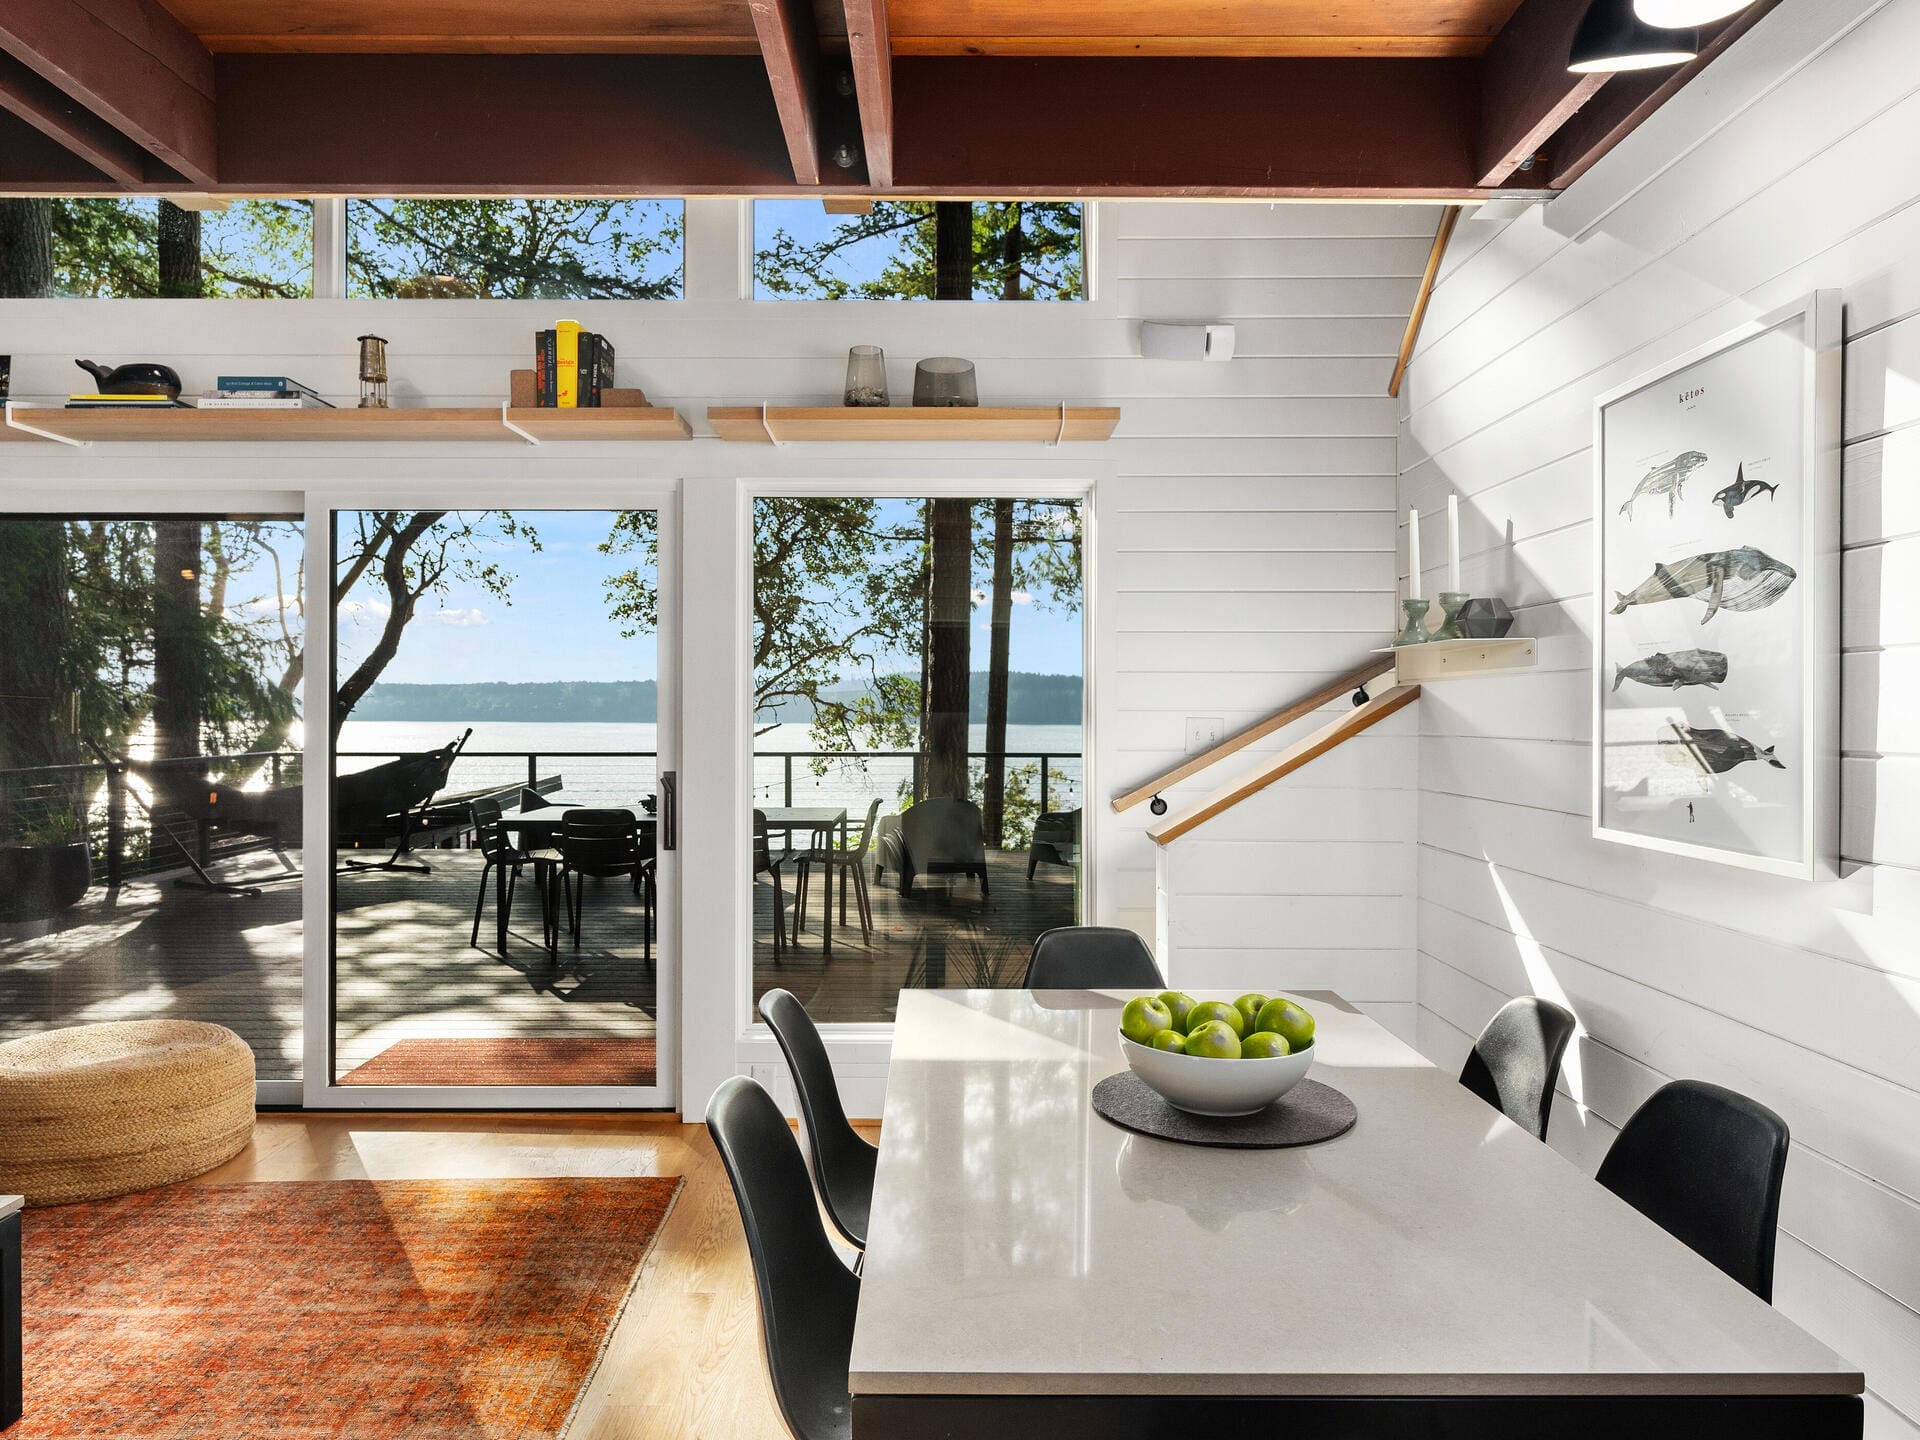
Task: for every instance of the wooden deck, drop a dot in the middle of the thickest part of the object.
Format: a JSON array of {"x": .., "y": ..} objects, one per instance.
[{"x": 405, "y": 971}]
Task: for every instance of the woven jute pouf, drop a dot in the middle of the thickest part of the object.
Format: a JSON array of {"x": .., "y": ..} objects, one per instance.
[{"x": 99, "y": 1110}]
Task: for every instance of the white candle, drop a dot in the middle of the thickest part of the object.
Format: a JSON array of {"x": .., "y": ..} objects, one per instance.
[
  {"x": 1413, "y": 554},
  {"x": 1453, "y": 543}
]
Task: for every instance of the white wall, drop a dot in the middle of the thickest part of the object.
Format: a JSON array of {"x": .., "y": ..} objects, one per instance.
[
  {"x": 1787, "y": 167},
  {"x": 1243, "y": 523}
]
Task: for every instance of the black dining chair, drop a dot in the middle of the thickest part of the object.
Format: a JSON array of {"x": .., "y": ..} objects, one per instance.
[
  {"x": 605, "y": 844},
  {"x": 849, "y": 873},
  {"x": 503, "y": 864},
  {"x": 1092, "y": 957},
  {"x": 1705, "y": 1164},
  {"x": 1515, "y": 1063},
  {"x": 807, "y": 1295},
  {"x": 764, "y": 863},
  {"x": 843, "y": 1163}
]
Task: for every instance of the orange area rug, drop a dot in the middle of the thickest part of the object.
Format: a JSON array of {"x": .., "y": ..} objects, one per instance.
[
  {"x": 509, "y": 1061},
  {"x": 356, "y": 1309}
]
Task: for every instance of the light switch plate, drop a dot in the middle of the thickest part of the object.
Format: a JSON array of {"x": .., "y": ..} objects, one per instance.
[{"x": 1204, "y": 732}]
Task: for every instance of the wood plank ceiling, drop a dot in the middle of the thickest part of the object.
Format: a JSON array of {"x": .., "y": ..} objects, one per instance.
[{"x": 1374, "y": 99}]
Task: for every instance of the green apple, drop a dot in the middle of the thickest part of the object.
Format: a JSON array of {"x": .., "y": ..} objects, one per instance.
[
  {"x": 1213, "y": 1040},
  {"x": 1180, "y": 1004},
  {"x": 1170, "y": 1040},
  {"x": 1264, "y": 1045},
  {"x": 1284, "y": 1017},
  {"x": 1145, "y": 1018},
  {"x": 1250, "y": 1005},
  {"x": 1219, "y": 1010}
]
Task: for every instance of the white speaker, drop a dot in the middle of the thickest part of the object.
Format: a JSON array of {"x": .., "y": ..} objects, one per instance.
[{"x": 1185, "y": 340}]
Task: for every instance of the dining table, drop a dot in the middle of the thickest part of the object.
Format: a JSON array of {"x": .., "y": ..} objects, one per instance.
[
  {"x": 1033, "y": 1269},
  {"x": 828, "y": 826},
  {"x": 538, "y": 828}
]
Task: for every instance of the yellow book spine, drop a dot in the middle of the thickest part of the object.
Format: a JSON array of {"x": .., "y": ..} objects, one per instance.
[{"x": 566, "y": 364}]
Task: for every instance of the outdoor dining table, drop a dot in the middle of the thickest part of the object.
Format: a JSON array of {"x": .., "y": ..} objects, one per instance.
[
  {"x": 539, "y": 829},
  {"x": 825, "y": 822},
  {"x": 1034, "y": 1270}
]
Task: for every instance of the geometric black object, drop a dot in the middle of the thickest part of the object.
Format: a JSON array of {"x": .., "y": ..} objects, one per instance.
[
  {"x": 1305, "y": 1115},
  {"x": 1485, "y": 617}
]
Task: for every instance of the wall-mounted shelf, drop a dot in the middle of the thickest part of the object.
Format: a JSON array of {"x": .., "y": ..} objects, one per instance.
[
  {"x": 56, "y": 424},
  {"x": 1450, "y": 659},
  {"x": 784, "y": 425}
]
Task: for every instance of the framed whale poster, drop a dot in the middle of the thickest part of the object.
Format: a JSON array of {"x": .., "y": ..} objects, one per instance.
[{"x": 1716, "y": 633}]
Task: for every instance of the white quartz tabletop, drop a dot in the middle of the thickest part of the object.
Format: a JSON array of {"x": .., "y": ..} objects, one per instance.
[
  {"x": 9, "y": 1204},
  {"x": 1021, "y": 1244}
]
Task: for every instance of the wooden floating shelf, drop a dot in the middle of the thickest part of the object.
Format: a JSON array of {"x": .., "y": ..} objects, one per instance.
[
  {"x": 1450, "y": 659},
  {"x": 754, "y": 424},
  {"x": 190, "y": 426}
]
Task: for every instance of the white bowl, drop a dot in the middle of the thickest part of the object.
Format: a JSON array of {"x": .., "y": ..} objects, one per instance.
[{"x": 1217, "y": 1087}]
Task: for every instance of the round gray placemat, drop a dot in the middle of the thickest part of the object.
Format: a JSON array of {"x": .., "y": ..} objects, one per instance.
[{"x": 1305, "y": 1115}]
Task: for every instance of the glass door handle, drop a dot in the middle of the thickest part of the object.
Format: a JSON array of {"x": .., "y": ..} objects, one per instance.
[{"x": 669, "y": 810}]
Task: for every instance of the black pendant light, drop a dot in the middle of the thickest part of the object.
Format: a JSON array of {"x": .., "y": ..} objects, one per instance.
[{"x": 1612, "y": 37}]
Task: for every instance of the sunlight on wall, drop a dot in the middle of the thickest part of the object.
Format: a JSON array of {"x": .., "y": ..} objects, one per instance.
[{"x": 1540, "y": 977}]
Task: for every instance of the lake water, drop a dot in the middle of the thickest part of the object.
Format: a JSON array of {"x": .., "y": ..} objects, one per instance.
[{"x": 496, "y": 755}]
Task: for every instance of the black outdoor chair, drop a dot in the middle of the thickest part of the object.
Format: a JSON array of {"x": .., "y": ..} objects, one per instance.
[
  {"x": 1056, "y": 839},
  {"x": 843, "y": 1163},
  {"x": 1515, "y": 1063},
  {"x": 942, "y": 837},
  {"x": 850, "y": 873},
  {"x": 1705, "y": 1164},
  {"x": 606, "y": 844},
  {"x": 504, "y": 861},
  {"x": 1092, "y": 957},
  {"x": 807, "y": 1295},
  {"x": 765, "y": 864}
]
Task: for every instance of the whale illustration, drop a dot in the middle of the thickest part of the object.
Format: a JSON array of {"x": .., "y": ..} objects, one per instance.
[
  {"x": 1666, "y": 480},
  {"x": 1741, "y": 491},
  {"x": 1743, "y": 579},
  {"x": 1719, "y": 751},
  {"x": 1670, "y": 670}
]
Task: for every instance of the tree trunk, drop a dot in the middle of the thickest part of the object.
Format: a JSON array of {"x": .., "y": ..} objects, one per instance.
[
  {"x": 177, "y": 657},
  {"x": 180, "y": 274},
  {"x": 26, "y": 249},
  {"x": 950, "y": 649},
  {"x": 926, "y": 645},
  {"x": 993, "y": 807},
  {"x": 952, "y": 250},
  {"x": 1013, "y": 254},
  {"x": 36, "y": 609},
  {"x": 399, "y": 540}
]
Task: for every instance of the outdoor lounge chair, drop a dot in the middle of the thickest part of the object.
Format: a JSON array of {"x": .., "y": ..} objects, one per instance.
[
  {"x": 370, "y": 802},
  {"x": 942, "y": 837},
  {"x": 1056, "y": 839}
]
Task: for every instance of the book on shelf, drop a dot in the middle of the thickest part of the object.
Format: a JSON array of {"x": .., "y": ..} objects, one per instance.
[
  {"x": 273, "y": 384},
  {"x": 596, "y": 368},
  {"x": 261, "y": 400},
  {"x": 566, "y": 364},
  {"x": 120, "y": 402},
  {"x": 545, "y": 346}
]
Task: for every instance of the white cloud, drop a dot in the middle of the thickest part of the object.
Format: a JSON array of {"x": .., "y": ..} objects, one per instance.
[
  {"x": 356, "y": 608},
  {"x": 1022, "y": 597},
  {"x": 459, "y": 619}
]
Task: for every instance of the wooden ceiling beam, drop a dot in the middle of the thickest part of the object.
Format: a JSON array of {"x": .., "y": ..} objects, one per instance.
[
  {"x": 131, "y": 64},
  {"x": 1526, "y": 90},
  {"x": 74, "y": 128},
  {"x": 870, "y": 50},
  {"x": 790, "y": 45}
]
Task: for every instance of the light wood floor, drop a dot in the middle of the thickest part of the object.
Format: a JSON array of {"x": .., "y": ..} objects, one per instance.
[{"x": 684, "y": 1361}]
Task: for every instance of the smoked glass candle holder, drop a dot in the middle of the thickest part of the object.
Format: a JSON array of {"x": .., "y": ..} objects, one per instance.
[
  {"x": 945, "y": 381},
  {"x": 866, "y": 377},
  {"x": 1450, "y": 603},
  {"x": 1415, "y": 631}
]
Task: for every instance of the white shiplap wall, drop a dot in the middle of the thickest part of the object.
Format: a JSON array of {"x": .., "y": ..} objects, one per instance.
[
  {"x": 1244, "y": 546},
  {"x": 1787, "y": 167}
]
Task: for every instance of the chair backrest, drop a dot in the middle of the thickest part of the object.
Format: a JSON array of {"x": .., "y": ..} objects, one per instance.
[
  {"x": 943, "y": 832},
  {"x": 762, "y": 847},
  {"x": 866, "y": 830},
  {"x": 489, "y": 832},
  {"x": 807, "y": 1295},
  {"x": 1705, "y": 1164},
  {"x": 600, "y": 842},
  {"x": 1092, "y": 957},
  {"x": 838, "y": 1161},
  {"x": 1515, "y": 1063}
]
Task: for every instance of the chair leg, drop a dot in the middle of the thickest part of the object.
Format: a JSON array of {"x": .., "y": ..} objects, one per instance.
[
  {"x": 779, "y": 915},
  {"x": 862, "y": 901},
  {"x": 479, "y": 905},
  {"x": 802, "y": 880},
  {"x": 1033, "y": 859},
  {"x": 644, "y": 884}
]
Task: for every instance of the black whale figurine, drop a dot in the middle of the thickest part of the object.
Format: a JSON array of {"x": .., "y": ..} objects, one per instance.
[{"x": 143, "y": 377}]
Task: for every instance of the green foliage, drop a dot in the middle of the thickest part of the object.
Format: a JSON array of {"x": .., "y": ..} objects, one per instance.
[
  {"x": 1022, "y": 250},
  {"x": 514, "y": 249},
  {"x": 110, "y": 249}
]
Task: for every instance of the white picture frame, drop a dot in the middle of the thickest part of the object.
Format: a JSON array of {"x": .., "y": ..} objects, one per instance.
[{"x": 1716, "y": 639}]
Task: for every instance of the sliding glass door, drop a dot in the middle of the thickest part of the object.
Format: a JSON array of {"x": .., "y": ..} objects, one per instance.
[{"x": 501, "y": 808}]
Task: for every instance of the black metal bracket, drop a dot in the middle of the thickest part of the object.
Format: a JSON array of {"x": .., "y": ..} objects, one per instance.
[
  {"x": 1360, "y": 697},
  {"x": 1157, "y": 805}
]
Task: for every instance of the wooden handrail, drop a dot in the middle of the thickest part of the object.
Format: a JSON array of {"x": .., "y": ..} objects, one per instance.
[
  {"x": 1285, "y": 763},
  {"x": 1375, "y": 667}
]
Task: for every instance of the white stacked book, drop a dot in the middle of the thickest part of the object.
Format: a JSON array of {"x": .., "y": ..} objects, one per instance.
[{"x": 261, "y": 392}]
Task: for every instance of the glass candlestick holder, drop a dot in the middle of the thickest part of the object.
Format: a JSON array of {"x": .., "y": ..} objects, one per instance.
[
  {"x": 1415, "y": 631},
  {"x": 1451, "y": 602},
  {"x": 866, "y": 377}
]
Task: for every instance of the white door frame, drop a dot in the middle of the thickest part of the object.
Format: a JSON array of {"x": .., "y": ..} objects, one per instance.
[{"x": 319, "y": 1092}]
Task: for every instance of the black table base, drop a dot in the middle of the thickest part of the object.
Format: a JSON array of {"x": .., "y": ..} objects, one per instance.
[
  {"x": 1365, "y": 1417},
  {"x": 11, "y": 1387}
]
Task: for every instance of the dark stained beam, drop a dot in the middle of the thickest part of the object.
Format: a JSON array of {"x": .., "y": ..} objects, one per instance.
[
  {"x": 1526, "y": 91},
  {"x": 790, "y": 45},
  {"x": 62, "y": 120},
  {"x": 31, "y": 163},
  {"x": 1289, "y": 128},
  {"x": 870, "y": 50},
  {"x": 1628, "y": 100},
  {"x": 131, "y": 64}
]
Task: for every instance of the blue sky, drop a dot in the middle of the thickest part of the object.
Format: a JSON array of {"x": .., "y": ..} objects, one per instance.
[{"x": 557, "y": 627}]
